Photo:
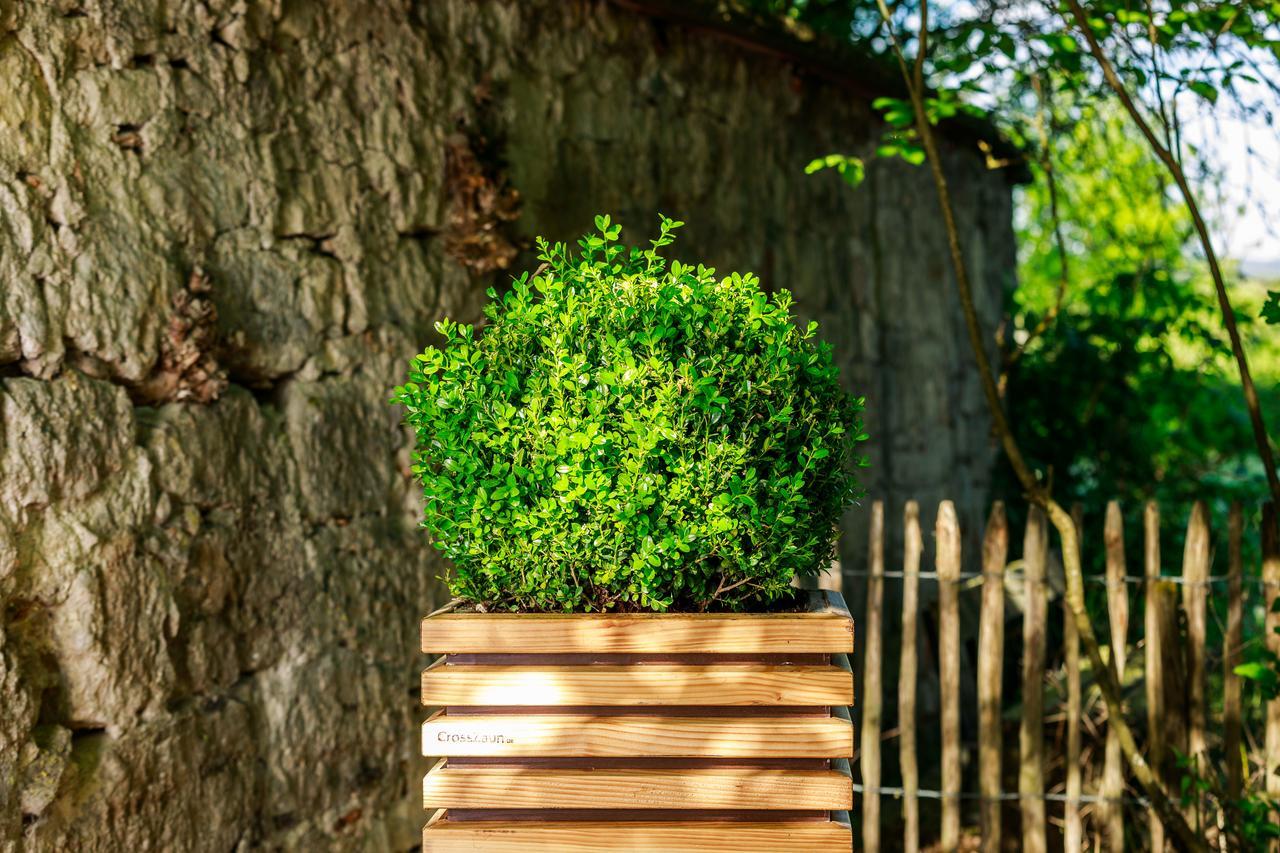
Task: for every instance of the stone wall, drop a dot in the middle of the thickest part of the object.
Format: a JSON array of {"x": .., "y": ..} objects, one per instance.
[{"x": 224, "y": 228}]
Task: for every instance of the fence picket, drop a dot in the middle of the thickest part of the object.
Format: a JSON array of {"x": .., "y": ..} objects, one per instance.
[
  {"x": 1195, "y": 573},
  {"x": 1154, "y": 672},
  {"x": 913, "y": 546},
  {"x": 1118, "y": 612},
  {"x": 1074, "y": 829},
  {"x": 995, "y": 550},
  {"x": 1031, "y": 734},
  {"x": 872, "y": 689},
  {"x": 948, "y": 566},
  {"x": 1231, "y": 642},
  {"x": 1271, "y": 581}
]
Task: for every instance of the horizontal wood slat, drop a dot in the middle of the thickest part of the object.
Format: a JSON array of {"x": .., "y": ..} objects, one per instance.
[
  {"x": 643, "y": 763},
  {"x": 637, "y": 815},
  {"x": 648, "y": 710},
  {"x": 445, "y": 836},
  {"x": 723, "y": 788},
  {"x": 826, "y": 630},
  {"x": 627, "y": 736},
  {"x": 640, "y": 685}
]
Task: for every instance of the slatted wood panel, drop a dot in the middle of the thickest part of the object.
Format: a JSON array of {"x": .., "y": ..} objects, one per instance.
[
  {"x": 447, "y": 836},
  {"x": 752, "y": 788},
  {"x": 640, "y": 684},
  {"x": 552, "y": 723}
]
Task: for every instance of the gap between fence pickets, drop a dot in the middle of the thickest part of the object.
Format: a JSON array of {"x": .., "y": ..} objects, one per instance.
[{"x": 1175, "y": 723}]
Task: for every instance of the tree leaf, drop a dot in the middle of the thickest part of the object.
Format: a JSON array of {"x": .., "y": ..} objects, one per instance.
[
  {"x": 1271, "y": 309},
  {"x": 1205, "y": 90}
]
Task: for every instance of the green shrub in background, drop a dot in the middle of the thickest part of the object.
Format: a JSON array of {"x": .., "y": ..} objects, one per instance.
[{"x": 628, "y": 434}]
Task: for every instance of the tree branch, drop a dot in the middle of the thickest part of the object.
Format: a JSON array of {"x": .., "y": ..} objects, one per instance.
[{"x": 1064, "y": 273}]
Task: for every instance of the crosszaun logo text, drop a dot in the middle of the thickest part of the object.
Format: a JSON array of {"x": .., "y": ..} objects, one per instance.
[{"x": 472, "y": 737}]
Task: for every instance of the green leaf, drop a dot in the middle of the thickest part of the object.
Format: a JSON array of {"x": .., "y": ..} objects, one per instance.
[
  {"x": 851, "y": 169},
  {"x": 1258, "y": 672},
  {"x": 1205, "y": 90},
  {"x": 1271, "y": 309}
]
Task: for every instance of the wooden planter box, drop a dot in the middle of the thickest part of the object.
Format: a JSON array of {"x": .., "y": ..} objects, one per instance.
[{"x": 640, "y": 732}]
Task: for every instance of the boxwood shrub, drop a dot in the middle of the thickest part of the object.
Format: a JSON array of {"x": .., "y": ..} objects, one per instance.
[{"x": 631, "y": 434}]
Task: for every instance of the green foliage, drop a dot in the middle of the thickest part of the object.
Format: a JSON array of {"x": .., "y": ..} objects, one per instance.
[
  {"x": 899, "y": 138},
  {"x": 1130, "y": 393},
  {"x": 632, "y": 434},
  {"x": 1271, "y": 310},
  {"x": 849, "y": 168},
  {"x": 1263, "y": 675},
  {"x": 1246, "y": 822},
  {"x": 1262, "y": 670},
  {"x": 1006, "y": 56}
]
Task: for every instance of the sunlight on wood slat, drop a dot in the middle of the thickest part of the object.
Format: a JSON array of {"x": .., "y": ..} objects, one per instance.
[
  {"x": 637, "y": 633},
  {"x": 639, "y": 685},
  {"x": 720, "y": 788},
  {"x": 446, "y": 836}
]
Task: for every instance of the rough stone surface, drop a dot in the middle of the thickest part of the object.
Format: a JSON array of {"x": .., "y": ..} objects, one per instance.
[{"x": 225, "y": 225}]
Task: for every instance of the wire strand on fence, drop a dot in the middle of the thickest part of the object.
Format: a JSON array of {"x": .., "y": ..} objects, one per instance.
[
  {"x": 1015, "y": 569},
  {"x": 1011, "y": 796}
]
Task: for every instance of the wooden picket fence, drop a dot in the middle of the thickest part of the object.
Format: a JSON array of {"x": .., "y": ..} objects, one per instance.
[{"x": 1175, "y": 666}]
